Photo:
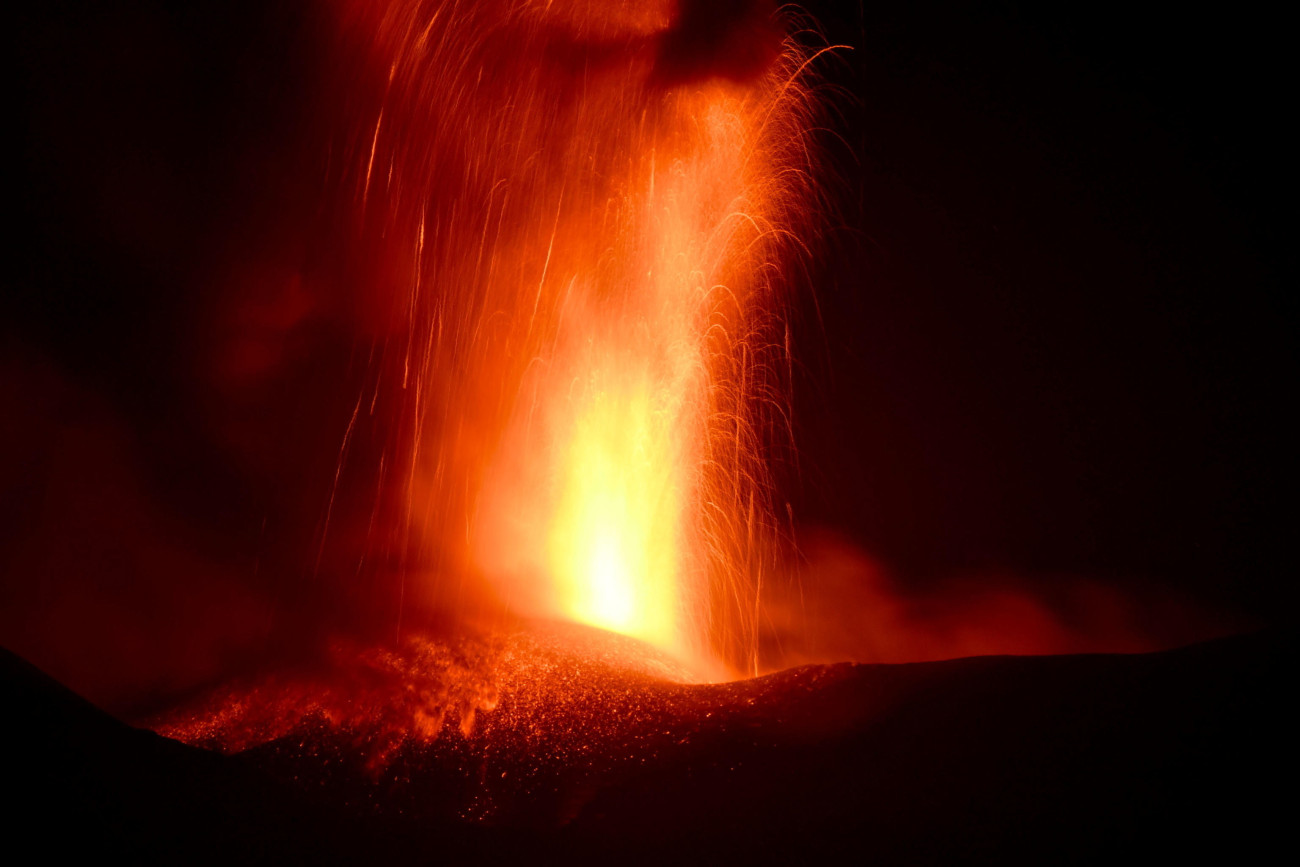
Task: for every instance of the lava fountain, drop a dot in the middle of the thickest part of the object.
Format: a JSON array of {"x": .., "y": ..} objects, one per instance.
[
  {"x": 632, "y": 481},
  {"x": 630, "y": 491},
  {"x": 580, "y": 222},
  {"x": 573, "y": 229}
]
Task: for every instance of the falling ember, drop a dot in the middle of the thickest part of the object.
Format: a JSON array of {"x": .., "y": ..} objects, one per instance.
[{"x": 579, "y": 220}]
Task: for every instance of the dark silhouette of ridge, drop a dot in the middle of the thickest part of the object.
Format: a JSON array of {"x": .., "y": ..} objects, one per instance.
[{"x": 1009, "y": 760}]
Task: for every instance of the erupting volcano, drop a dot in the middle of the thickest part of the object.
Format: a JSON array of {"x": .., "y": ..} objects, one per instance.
[
  {"x": 414, "y": 391},
  {"x": 577, "y": 228},
  {"x": 591, "y": 220}
]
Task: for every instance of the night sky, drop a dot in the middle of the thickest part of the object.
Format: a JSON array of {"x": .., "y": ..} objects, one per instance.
[{"x": 1050, "y": 333}]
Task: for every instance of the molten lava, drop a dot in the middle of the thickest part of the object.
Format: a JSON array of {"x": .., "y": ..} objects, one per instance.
[
  {"x": 580, "y": 218},
  {"x": 614, "y": 541},
  {"x": 631, "y": 485}
]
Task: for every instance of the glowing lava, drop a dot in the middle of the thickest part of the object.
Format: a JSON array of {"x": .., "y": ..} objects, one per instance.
[
  {"x": 615, "y": 539},
  {"x": 632, "y": 492},
  {"x": 584, "y": 214}
]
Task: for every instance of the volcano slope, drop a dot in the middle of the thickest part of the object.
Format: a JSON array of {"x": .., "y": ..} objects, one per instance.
[{"x": 563, "y": 744}]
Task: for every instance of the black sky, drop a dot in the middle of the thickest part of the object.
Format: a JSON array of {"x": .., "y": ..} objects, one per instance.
[{"x": 1051, "y": 333}]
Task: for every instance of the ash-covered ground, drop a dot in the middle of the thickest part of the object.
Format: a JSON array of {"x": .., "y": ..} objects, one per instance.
[{"x": 559, "y": 743}]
